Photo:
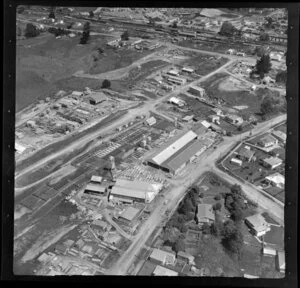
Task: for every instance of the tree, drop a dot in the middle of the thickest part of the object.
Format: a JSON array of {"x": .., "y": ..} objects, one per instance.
[
  {"x": 236, "y": 189},
  {"x": 31, "y": 31},
  {"x": 105, "y": 83},
  {"x": 100, "y": 50},
  {"x": 260, "y": 51},
  {"x": 264, "y": 37},
  {"x": 174, "y": 25},
  {"x": 217, "y": 197},
  {"x": 85, "y": 34},
  {"x": 227, "y": 29},
  {"x": 271, "y": 104},
  {"x": 51, "y": 13},
  {"x": 237, "y": 214},
  {"x": 269, "y": 22},
  {"x": 240, "y": 128},
  {"x": 91, "y": 14},
  {"x": 217, "y": 206},
  {"x": 263, "y": 65},
  {"x": 125, "y": 36},
  {"x": 217, "y": 227},
  {"x": 205, "y": 228},
  {"x": 179, "y": 245},
  {"x": 201, "y": 195},
  {"x": 281, "y": 76}
]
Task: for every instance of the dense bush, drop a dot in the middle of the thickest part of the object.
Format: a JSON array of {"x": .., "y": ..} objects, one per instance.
[{"x": 31, "y": 31}]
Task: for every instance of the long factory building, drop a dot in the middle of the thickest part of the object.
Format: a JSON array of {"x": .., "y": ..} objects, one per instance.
[{"x": 179, "y": 151}]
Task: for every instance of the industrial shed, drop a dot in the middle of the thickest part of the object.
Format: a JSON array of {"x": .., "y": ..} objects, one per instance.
[
  {"x": 95, "y": 189},
  {"x": 97, "y": 98}
]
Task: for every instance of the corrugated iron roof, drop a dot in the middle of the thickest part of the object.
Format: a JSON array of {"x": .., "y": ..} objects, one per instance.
[{"x": 174, "y": 147}]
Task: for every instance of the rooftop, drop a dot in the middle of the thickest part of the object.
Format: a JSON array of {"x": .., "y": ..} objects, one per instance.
[
  {"x": 161, "y": 255},
  {"x": 246, "y": 152},
  {"x": 184, "y": 154},
  {"x": 267, "y": 139},
  {"x": 129, "y": 213},
  {"x": 95, "y": 187},
  {"x": 276, "y": 178},
  {"x": 127, "y": 192},
  {"x": 173, "y": 146},
  {"x": 162, "y": 271},
  {"x": 138, "y": 185},
  {"x": 98, "y": 96},
  {"x": 279, "y": 134},
  {"x": 96, "y": 179},
  {"x": 258, "y": 222},
  {"x": 205, "y": 211},
  {"x": 273, "y": 161}
]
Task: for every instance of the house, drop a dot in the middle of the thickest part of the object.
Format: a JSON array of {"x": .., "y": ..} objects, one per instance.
[
  {"x": 150, "y": 121},
  {"x": 240, "y": 54},
  {"x": 97, "y": 98},
  {"x": 267, "y": 80},
  {"x": 205, "y": 213},
  {"x": 269, "y": 251},
  {"x": 188, "y": 118},
  {"x": 163, "y": 257},
  {"x": 276, "y": 56},
  {"x": 257, "y": 225},
  {"x": 196, "y": 90},
  {"x": 234, "y": 119},
  {"x": 231, "y": 51},
  {"x": 214, "y": 119},
  {"x": 77, "y": 93},
  {"x": 280, "y": 263},
  {"x": 95, "y": 189},
  {"x": 114, "y": 43},
  {"x": 267, "y": 141},
  {"x": 188, "y": 70},
  {"x": 276, "y": 179},
  {"x": 236, "y": 161},
  {"x": 186, "y": 257},
  {"x": 176, "y": 101},
  {"x": 162, "y": 271},
  {"x": 97, "y": 223},
  {"x": 173, "y": 72},
  {"x": 205, "y": 124},
  {"x": 19, "y": 148},
  {"x": 272, "y": 162},
  {"x": 217, "y": 111},
  {"x": 279, "y": 135},
  {"x": 129, "y": 214},
  {"x": 245, "y": 154},
  {"x": 176, "y": 80},
  {"x": 96, "y": 179}
]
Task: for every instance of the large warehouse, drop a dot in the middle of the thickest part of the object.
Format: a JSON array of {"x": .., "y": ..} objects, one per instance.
[
  {"x": 177, "y": 153},
  {"x": 130, "y": 191}
]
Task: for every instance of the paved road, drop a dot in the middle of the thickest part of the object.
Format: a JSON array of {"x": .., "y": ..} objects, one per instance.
[{"x": 206, "y": 163}]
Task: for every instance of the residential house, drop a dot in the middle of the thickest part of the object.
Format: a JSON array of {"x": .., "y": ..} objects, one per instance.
[
  {"x": 163, "y": 257},
  {"x": 186, "y": 257},
  {"x": 234, "y": 119},
  {"x": 214, "y": 119},
  {"x": 163, "y": 271},
  {"x": 279, "y": 135},
  {"x": 188, "y": 118},
  {"x": 280, "y": 263},
  {"x": 205, "y": 213},
  {"x": 267, "y": 141},
  {"x": 236, "y": 161},
  {"x": 272, "y": 162},
  {"x": 257, "y": 225},
  {"x": 276, "y": 179},
  {"x": 196, "y": 90},
  {"x": 245, "y": 154},
  {"x": 151, "y": 121}
]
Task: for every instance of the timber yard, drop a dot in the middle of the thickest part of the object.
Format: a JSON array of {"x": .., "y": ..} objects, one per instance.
[{"x": 150, "y": 141}]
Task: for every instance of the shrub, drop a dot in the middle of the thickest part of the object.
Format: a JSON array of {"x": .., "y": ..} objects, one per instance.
[
  {"x": 217, "y": 206},
  {"x": 201, "y": 195},
  {"x": 106, "y": 84},
  {"x": 31, "y": 31},
  {"x": 217, "y": 197}
]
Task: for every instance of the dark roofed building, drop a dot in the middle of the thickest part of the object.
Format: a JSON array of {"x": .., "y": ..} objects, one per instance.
[{"x": 245, "y": 154}]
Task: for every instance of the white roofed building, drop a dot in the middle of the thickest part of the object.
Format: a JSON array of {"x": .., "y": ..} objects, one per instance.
[
  {"x": 258, "y": 225},
  {"x": 277, "y": 180},
  {"x": 163, "y": 257},
  {"x": 162, "y": 271}
]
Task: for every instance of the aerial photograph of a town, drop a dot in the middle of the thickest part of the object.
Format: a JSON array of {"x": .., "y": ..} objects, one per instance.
[{"x": 150, "y": 141}]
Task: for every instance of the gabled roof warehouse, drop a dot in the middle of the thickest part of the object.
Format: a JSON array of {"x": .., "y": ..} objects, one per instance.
[
  {"x": 184, "y": 155},
  {"x": 139, "y": 185},
  {"x": 129, "y": 213},
  {"x": 138, "y": 195},
  {"x": 172, "y": 147}
]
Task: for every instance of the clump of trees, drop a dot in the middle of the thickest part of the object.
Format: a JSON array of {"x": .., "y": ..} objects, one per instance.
[
  {"x": 281, "y": 76},
  {"x": 263, "y": 65},
  {"x": 51, "y": 13},
  {"x": 106, "y": 84},
  {"x": 264, "y": 37},
  {"x": 232, "y": 237},
  {"x": 272, "y": 103},
  {"x": 234, "y": 203},
  {"x": 58, "y": 31},
  {"x": 85, "y": 34},
  {"x": 91, "y": 14},
  {"x": 227, "y": 29},
  {"x": 125, "y": 36},
  {"x": 31, "y": 31}
]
